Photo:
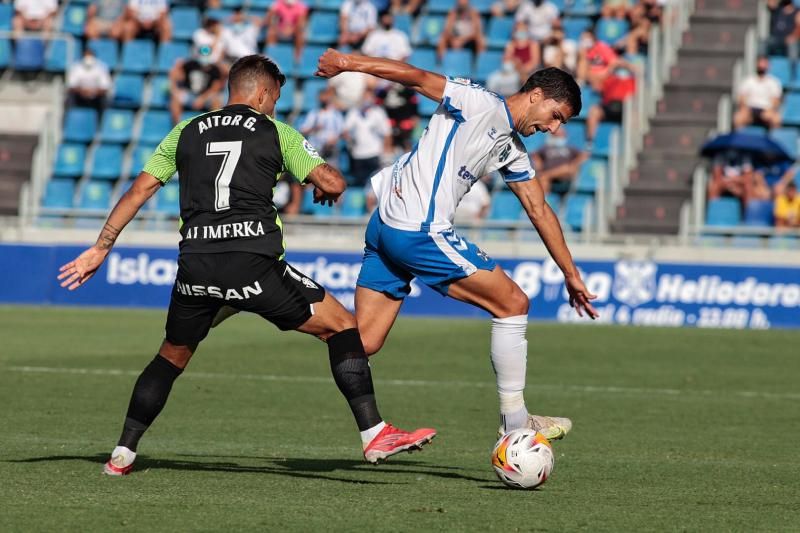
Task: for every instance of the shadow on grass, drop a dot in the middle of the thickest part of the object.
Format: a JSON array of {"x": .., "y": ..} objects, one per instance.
[{"x": 306, "y": 468}]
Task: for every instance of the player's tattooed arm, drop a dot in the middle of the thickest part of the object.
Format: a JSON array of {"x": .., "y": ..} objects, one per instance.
[
  {"x": 108, "y": 235},
  {"x": 328, "y": 183}
]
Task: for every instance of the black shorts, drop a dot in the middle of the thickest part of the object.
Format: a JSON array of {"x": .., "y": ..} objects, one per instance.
[{"x": 249, "y": 282}]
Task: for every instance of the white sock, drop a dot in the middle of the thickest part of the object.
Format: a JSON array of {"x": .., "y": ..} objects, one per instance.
[
  {"x": 126, "y": 453},
  {"x": 368, "y": 434},
  {"x": 509, "y": 359}
]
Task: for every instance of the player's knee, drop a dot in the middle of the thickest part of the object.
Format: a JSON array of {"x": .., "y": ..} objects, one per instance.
[
  {"x": 176, "y": 354},
  {"x": 516, "y": 304},
  {"x": 372, "y": 345}
]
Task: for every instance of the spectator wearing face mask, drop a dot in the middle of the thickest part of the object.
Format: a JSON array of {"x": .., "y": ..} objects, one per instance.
[
  {"x": 597, "y": 60},
  {"x": 195, "y": 83},
  {"x": 88, "y": 82},
  {"x": 560, "y": 52},
  {"x": 617, "y": 88},
  {"x": 462, "y": 29},
  {"x": 286, "y": 21},
  {"x": 210, "y": 35},
  {"x": 240, "y": 35},
  {"x": 505, "y": 81},
  {"x": 522, "y": 51},
  {"x": 386, "y": 41},
  {"x": 759, "y": 99},
  {"x": 538, "y": 17}
]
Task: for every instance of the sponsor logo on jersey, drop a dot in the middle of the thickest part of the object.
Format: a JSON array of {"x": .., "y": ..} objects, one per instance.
[
  {"x": 243, "y": 293},
  {"x": 492, "y": 133},
  {"x": 465, "y": 174},
  {"x": 231, "y": 230},
  {"x": 310, "y": 150}
]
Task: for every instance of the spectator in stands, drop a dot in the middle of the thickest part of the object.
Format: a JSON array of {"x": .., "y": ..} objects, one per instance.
[
  {"x": 617, "y": 88},
  {"x": 733, "y": 175},
  {"x": 759, "y": 98},
  {"x": 615, "y": 8},
  {"x": 557, "y": 162},
  {"x": 323, "y": 126},
  {"x": 147, "y": 19},
  {"x": 386, "y": 41},
  {"x": 522, "y": 51},
  {"x": 350, "y": 88},
  {"x": 784, "y": 30},
  {"x": 505, "y": 81},
  {"x": 462, "y": 29},
  {"x": 411, "y": 7},
  {"x": 596, "y": 61},
  {"x": 88, "y": 82},
  {"x": 356, "y": 19},
  {"x": 502, "y": 8},
  {"x": 34, "y": 15},
  {"x": 558, "y": 51},
  {"x": 195, "y": 83},
  {"x": 286, "y": 21},
  {"x": 400, "y": 104},
  {"x": 653, "y": 9},
  {"x": 538, "y": 16},
  {"x": 105, "y": 18},
  {"x": 787, "y": 204},
  {"x": 474, "y": 206},
  {"x": 210, "y": 35},
  {"x": 240, "y": 35},
  {"x": 638, "y": 37},
  {"x": 369, "y": 139}
]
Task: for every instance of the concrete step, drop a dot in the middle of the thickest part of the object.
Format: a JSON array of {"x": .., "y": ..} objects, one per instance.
[
  {"x": 695, "y": 100},
  {"x": 644, "y": 226},
  {"x": 685, "y": 138},
  {"x": 678, "y": 118}
]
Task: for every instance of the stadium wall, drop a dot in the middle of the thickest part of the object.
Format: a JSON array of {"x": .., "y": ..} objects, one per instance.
[{"x": 636, "y": 285}]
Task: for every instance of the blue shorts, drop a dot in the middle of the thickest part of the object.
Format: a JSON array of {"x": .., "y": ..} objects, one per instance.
[{"x": 393, "y": 257}]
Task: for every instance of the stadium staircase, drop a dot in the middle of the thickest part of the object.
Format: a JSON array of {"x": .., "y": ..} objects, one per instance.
[
  {"x": 16, "y": 161},
  {"x": 661, "y": 181}
]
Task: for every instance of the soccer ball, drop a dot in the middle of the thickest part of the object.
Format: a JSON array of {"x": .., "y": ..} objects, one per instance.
[{"x": 523, "y": 459}]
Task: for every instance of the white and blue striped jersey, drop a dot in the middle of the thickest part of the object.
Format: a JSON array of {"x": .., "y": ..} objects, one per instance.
[{"x": 470, "y": 135}]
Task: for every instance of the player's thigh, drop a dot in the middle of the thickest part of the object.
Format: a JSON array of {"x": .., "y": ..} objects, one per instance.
[
  {"x": 330, "y": 317},
  {"x": 376, "y": 313},
  {"x": 192, "y": 304},
  {"x": 492, "y": 291}
]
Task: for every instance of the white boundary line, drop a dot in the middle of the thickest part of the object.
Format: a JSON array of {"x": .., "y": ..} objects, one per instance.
[{"x": 588, "y": 389}]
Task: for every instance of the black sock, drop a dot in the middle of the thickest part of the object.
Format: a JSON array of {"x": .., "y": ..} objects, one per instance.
[
  {"x": 352, "y": 375},
  {"x": 149, "y": 396}
]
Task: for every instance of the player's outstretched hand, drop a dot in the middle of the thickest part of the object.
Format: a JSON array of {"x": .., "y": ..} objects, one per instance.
[
  {"x": 579, "y": 297},
  {"x": 331, "y": 63},
  {"x": 82, "y": 268},
  {"x": 321, "y": 197}
]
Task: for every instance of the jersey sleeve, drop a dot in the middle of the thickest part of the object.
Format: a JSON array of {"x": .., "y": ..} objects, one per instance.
[
  {"x": 463, "y": 99},
  {"x": 515, "y": 160},
  {"x": 162, "y": 163},
  {"x": 299, "y": 157}
]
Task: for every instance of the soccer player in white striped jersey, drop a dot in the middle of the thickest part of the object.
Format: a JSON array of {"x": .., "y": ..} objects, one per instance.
[{"x": 411, "y": 234}]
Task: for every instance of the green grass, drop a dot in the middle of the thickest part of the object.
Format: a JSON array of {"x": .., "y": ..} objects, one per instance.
[{"x": 674, "y": 430}]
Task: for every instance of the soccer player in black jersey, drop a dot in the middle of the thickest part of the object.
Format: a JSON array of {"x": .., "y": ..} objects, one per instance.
[{"x": 231, "y": 253}]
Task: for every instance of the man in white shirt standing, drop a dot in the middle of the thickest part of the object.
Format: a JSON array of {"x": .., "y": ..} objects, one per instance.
[
  {"x": 368, "y": 133},
  {"x": 539, "y": 16},
  {"x": 356, "y": 19},
  {"x": 34, "y": 15},
  {"x": 759, "y": 99},
  {"x": 386, "y": 41},
  {"x": 88, "y": 82}
]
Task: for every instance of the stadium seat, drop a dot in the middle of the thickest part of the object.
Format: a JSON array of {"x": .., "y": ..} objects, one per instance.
[
  {"x": 498, "y": 32},
  {"x": 137, "y": 56},
  {"x": 5, "y": 52},
  {"x": 170, "y": 52},
  {"x": 788, "y": 138},
  {"x": 781, "y": 68},
  {"x": 602, "y": 141},
  {"x": 308, "y": 61},
  {"x": 429, "y": 29},
  {"x": 553, "y": 200},
  {"x": 155, "y": 126},
  {"x": 487, "y": 62},
  {"x": 311, "y": 90},
  {"x": 70, "y": 160},
  {"x": 74, "y": 19},
  {"x": 283, "y": 56},
  {"x": 107, "y": 162},
  {"x": 323, "y": 28},
  {"x": 255, "y": 4},
  {"x": 573, "y": 27},
  {"x": 80, "y": 125},
  {"x": 128, "y": 90},
  {"x": 588, "y": 98},
  {"x": 575, "y": 210},
  {"x": 310, "y": 208},
  {"x": 185, "y": 20},
  {"x": 29, "y": 55},
  {"x": 59, "y": 194},
  {"x": 724, "y": 212},
  {"x": 6, "y": 14},
  {"x": 758, "y": 213},
  {"x": 427, "y": 107},
  {"x": 534, "y": 142},
  {"x": 424, "y": 58},
  {"x": 403, "y": 22},
  {"x": 106, "y": 50},
  {"x": 483, "y": 6},
  {"x": 440, "y": 6},
  {"x": 592, "y": 173},
  {"x": 159, "y": 92},
  {"x": 168, "y": 199},
  {"x": 285, "y": 103},
  {"x": 505, "y": 206},
  {"x": 233, "y": 4},
  {"x": 582, "y": 8},
  {"x": 139, "y": 157},
  {"x": 611, "y": 30},
  {"x": 56, "y": 58},
  {"x": 117, "y": 126},
  {"x": 576, "y": 134},
  {"x": 791, "y": 109},
  {"x": 220, "y": 14},
  {"x": 353, "y": 203},
  {"x": 96, "y": 195},
  {"x": 457, "y": 63}
]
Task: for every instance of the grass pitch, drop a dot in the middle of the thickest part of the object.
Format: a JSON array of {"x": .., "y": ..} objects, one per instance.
[{"x": 674, "y": 430}]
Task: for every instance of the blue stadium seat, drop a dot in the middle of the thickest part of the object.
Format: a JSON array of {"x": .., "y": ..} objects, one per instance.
[
  {"x": 424, "y": 58},
  {"x": 168, "y": 199},
  {"x": 403, "y": 22},
  {"x": 582, "y": 8},
  {"x": 724, "y": 212},
  {"x": 70, "y": 160},
  {"x": 483, "y": 6},
  {"x": 107, "y": 162},
  {"x": 427, "y": 107},
  {"x": 353, "y": 203},
  {"x": 185, "y": 20},
  {"x": 560, "y": 4},
  {"x": 553, "y": 199},
  {"x": 170, "y": 52},
  {"x": 429, "y": 29},
  {"x": 323, "y": 28},
  {"x": 232, "y": 4},
  {"x": 5, "y": 52},
  {"x": 602, "y": 141},
  {"x": 588, "y": 98},
  {"x": 788, "y": 138},
  {"x": 791, "y": 109},
  {"x": 308, "y": 61},
  {"x": 781, "y": 68},
  {"x": 311, "y": 90},
  {"x": 575, "y": 210},
  {"x": 499, "y": 32},
  {"x": 592, "y": 173},
  {"x": 117, "y": 126},
  {"x": 285, "y": 103},
  {"x": 128, "y": 89},
  {"x": 573, "y": 27},
  {"x": 106, "y": 50},
  {"x": 219, "y": 14},
  {"x": 487, "y": 62},
  {"x": 56, "y": 58},
  {"x": 6, "y": 14},
  {"x": 611, "y": 30},
  {"x": 758, "y": 213},
  {"x": 440, "y": 6},
  {"x": 457, "y": 63},
  {"x": 190, "y": 113},
  {"x": 254, "y": 4},
  {"x": 533, "y": 143},
  {"x": 140, "y": 156},
  {"x": 137, "y": 56},
  {"x": 505, "y": 206},
  {"x": 155, "y": 126},
  {"x": 95, "y": 195},
  {"x": 576, "y": 134},
  {"x": 74, "y": 20},
  {"x": 283, "y": 56},
  {"x": 80, "y": 125},
  {"x": 159, "y": 92},
  {"x": 310, "y": 208},
  {"x": 29, "y": 55},
  {"x": 59, "y": 194}
]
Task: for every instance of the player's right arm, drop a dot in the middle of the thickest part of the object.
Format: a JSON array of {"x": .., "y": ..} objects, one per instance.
[{"x": 430, "y": 84}]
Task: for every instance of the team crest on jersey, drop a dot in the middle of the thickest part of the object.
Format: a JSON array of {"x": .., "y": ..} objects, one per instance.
[
  {"x": 492, "y": 133},
  {"x": 310, "y": 150}
]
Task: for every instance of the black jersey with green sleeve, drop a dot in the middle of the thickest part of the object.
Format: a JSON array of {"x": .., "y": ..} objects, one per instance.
[{"x": 228, "y": 162}]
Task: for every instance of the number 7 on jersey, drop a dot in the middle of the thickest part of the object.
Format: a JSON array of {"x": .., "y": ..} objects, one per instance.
[{"x": 231, "y": 151}]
